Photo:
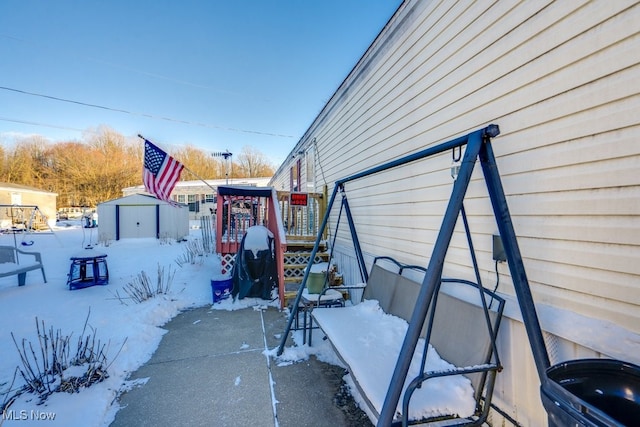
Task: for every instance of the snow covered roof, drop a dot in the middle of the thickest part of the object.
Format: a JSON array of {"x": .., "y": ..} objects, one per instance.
[
  {"x": 23, "y": 188},
  {"x": 136, "y": 199}
]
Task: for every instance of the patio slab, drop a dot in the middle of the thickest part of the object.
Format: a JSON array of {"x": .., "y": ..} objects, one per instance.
[{"x": 210, "y": 369}]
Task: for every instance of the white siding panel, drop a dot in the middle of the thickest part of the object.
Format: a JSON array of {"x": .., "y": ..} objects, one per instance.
[
  {"x": 612, "y": 144},
  {"x": 561, "y": 80},
  {"x": 519, "y": 377},
  {"x": 620, "y": 172},
  {"x": 582, "y": 228},
  {"x": 610, "y": 201}
]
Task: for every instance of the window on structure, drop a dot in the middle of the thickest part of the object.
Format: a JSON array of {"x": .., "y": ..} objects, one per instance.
[
  {"x": 180, "y": 198},
  {"x": 292, "y": 182},
  {"x": 294, "y": 176},
  {"x": 209, "y": 198},
  {"x": 194, "y": 203},
  {"x": 16, "y": 198},
  {"x": 310, "y": 175}
]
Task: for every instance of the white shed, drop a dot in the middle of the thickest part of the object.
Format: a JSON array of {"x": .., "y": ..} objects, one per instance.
[{"x": 141, "y": 215}]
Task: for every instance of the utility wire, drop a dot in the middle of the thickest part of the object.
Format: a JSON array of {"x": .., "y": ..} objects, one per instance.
[
  {"x": 26, "y": 122},
  {"x": 151, "y": 116}
]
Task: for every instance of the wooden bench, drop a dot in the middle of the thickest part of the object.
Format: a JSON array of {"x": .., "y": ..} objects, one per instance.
[
  {"x": 12, "y": 263},
  {"x": 460, "y": 330}
]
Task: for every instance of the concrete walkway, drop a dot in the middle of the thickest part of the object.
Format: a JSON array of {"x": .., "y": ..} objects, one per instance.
[{"x": 210, "y": 370}]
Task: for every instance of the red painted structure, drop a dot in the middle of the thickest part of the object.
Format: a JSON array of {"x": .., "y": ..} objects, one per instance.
[{"x": 240, "y": 207}]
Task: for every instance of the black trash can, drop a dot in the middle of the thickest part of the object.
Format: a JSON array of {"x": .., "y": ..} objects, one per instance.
[{"x": 592, "y": 392}]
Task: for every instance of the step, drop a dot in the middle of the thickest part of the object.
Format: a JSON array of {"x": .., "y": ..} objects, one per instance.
[
  {"x": 307, "y": 253},
  {"x": 304, "y": 246},
  {"x": 295, "y": 266}
]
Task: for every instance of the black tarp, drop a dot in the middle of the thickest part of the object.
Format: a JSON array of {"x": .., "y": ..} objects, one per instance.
[{"x": 254, "y": 273}]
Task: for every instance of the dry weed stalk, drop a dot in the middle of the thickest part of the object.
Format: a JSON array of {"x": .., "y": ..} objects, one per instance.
[
  {"x": 194, "y": 253},
  {"x": 44, "y": 365},
  {"x": 142, "y": 288}
]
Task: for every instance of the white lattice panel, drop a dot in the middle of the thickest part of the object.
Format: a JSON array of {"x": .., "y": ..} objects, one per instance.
[
  {"x": 299, "y": 259},
  {"x": 227, "y": 262}
]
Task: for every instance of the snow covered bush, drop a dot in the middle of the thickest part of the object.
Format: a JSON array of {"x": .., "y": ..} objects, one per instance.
[
  {"x": 142, "y": 289},
  {"x": 53, "y": 364},
  {"x": 105, "y": 239},
  {"x": 194, "y": 253}
]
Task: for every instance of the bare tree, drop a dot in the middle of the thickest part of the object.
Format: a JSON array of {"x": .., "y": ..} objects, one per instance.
[
  {"x": 24, "y": 164},
  {"x": 113, "y": 166},
  {"x": 88, "y": 172},
  {"x": 251, "y": 163},
  {"x": 202, "y": 164}
]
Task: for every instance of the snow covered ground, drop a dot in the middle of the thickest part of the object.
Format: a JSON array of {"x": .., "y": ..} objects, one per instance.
[{"x": 131, "y": 332}]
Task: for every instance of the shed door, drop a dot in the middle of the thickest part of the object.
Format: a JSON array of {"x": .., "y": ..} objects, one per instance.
[{"x": 137, "y": 221}]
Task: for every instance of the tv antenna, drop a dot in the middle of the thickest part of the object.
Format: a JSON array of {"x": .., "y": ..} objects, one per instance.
[{"x": 227, "y": 155}]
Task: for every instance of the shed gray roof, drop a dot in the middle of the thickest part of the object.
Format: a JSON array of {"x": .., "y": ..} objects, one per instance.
[{"x": 137, "y": 199}]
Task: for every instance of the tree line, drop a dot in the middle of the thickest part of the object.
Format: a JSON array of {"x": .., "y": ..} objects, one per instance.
[{"x": 96, "y": 169}]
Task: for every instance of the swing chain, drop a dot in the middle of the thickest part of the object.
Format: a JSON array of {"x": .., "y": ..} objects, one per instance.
[{"x": 455, "y": 163}]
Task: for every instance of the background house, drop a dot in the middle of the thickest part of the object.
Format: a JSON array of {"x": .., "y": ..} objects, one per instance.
[
  {"x": 198, "y": 196},
  {"x": 23, "y": 198},
  {"x": 561, "y": 81}
]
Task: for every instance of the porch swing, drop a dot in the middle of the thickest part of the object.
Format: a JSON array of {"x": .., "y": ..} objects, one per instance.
[
  {"x": 564, "y": 403},
  {"x": 475, "y": 353},
  {"x": 485, "y": 376},
  {"x": 481, "y": 372}
]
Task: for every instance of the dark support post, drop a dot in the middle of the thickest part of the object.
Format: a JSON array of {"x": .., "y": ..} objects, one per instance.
[
  {"x": 514, "y": 258},
  {"x": 431, "y": 279},
  {"x": 354, "y": 237},
  {"x": 157, "y": 221},
  {"x": 117, "y": 222}
]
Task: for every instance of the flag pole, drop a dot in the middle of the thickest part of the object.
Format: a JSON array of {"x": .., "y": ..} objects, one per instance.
[{"x": 186, "y": 169}]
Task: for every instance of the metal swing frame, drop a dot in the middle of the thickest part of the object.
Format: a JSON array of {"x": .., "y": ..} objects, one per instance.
[
  {"x": 488, "y": 367},
  {"x": 477, "y": 147},
  {"x": 29, "y": 226}
]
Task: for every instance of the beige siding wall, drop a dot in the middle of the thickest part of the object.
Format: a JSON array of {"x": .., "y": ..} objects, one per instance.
[
  {"x": 45, "y": 201},
  {"x": 562, "y": 79}
]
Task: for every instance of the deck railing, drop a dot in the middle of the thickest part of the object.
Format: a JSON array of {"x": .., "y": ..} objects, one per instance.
[
  {"x": 234, "y": 215},
  {"x": 301, "y": 220}
]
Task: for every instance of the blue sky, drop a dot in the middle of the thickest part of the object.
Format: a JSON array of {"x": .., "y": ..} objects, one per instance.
[{"x": 210, "y": 73}]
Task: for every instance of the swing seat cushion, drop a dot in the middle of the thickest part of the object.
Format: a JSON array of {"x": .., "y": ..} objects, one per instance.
[
  {"x": 368, "y": 337},
  {"x": 371, "y": 354},
  {"x": 15, "y": 262}
]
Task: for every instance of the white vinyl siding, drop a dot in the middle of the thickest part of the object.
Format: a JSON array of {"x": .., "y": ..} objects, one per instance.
[{"x": 562, "y": 80}]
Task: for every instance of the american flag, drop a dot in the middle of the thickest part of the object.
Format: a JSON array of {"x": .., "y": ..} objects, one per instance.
[{"x": 161, "y": 172}]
